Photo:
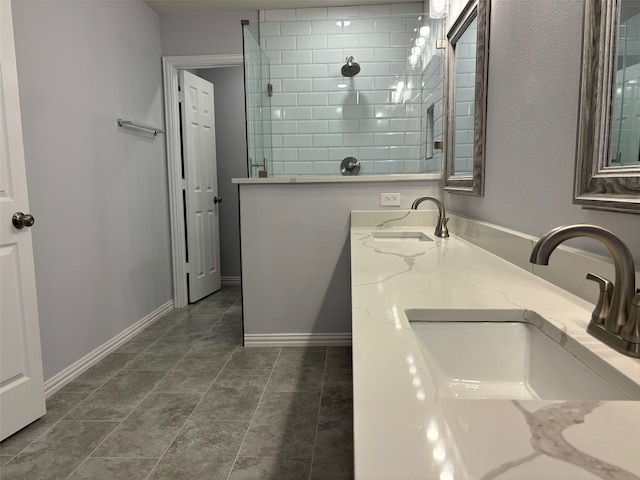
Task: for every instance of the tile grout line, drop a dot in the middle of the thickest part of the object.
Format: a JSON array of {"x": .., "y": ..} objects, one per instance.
[
  {"x": 143, "y": 399},
  {"x": 254, "y": 415},
  {"x": 196, "y": 407},
  {"x": 315, "y": 438}
]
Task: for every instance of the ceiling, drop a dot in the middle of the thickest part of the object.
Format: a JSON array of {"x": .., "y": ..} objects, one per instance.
[{"x": 185, "y": 6}]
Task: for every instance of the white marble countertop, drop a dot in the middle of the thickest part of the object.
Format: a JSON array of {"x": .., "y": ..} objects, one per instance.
[{"x": 404, "y": 430}]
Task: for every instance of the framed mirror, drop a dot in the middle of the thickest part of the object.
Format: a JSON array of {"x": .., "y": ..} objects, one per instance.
[
  {"x": 466, "y": 99},
  {"x": 608, "y": 144}
]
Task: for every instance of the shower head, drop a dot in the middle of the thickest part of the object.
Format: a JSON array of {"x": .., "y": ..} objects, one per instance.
[{"x": 351, "y": 68}]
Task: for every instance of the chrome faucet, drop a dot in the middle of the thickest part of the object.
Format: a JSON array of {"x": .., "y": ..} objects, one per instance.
[
  {"x": 616, "y": 320},
  {"x": 441, "y": 227}
]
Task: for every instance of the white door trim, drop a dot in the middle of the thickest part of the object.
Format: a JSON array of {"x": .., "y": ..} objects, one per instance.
[{"x": 170, "y": 67}]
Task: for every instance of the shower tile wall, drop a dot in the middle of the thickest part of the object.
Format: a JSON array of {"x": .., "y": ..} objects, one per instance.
[
  {"x": 465, "y": 99},
  {"x": 315, "y": 122}
]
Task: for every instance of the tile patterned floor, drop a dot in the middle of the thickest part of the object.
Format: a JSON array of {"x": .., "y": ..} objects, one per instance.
[{"x": 183, "y": 400}]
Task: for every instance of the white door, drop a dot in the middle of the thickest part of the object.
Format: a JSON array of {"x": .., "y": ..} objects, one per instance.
[
  {"x": 202, "y": 200},
  {"x": 21, "y": 383}
]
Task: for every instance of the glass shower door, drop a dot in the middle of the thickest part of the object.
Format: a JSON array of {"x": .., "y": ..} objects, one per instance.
[{"x": 257, "y": 105}]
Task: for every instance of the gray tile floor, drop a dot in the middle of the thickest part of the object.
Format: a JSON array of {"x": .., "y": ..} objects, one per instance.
[{"x": 183, "y": 400}]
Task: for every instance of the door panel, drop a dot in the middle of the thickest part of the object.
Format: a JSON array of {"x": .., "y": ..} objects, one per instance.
[
  {"x": 202, "y": 213},
  {"x": 21, "y": 382}
]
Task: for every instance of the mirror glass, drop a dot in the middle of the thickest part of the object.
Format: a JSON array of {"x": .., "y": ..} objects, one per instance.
[
  {"x": 466, "y": 99},
  {"x": 608, "y": 146},
  {"x": 625, "y": 120}
]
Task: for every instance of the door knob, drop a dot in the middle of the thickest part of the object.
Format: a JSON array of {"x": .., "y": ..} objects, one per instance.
[
  {"x": 217, "y": 200},
  {"x": 21, "y": 220}
]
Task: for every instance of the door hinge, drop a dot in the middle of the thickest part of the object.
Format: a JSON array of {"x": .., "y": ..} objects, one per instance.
[
  {"x": 180, "y": 97},
  {"x": 185, "y": 184}
]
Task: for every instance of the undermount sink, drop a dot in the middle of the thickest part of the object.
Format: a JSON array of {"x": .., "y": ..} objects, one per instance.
[
  {"x": 400, "y": 235},
  {"x": 500, "y": 355}
]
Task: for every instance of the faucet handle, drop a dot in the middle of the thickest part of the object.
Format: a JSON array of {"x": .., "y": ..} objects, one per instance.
[
  {"x": 631, "y": 330},
  {"x": 604, "y": 299}
]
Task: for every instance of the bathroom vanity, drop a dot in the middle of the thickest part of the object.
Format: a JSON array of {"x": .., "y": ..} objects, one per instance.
[{"x": 419, "y": 413}]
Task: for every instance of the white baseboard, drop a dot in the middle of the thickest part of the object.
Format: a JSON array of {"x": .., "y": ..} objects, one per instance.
[
  {"x": 297, "y": 340},
  {"x": 74, "y": 370},
  {"x": 231, "y": 281}
]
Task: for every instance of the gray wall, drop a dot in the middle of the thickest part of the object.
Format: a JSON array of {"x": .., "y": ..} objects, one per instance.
[
  {"x": 231, "y": 150},
  {"x": 295, "y": 251},
  {"x": 203, "y": 33},
  {"x": 98, "y": 192},
  {"x": 534, "y": 76}
]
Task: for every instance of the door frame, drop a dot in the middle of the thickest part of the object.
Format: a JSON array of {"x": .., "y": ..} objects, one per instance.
[{"x": 170, "y": 67}]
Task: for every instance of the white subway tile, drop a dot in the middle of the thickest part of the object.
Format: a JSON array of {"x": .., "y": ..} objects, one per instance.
[
  {"x": 402, "y": 39},
  {"x": 296, "y": 85},
  {"x": 281, "y": 43},
  {"x": 343, "y": 97},
  {"x": 326, "y": 84},
  {"x": 344, "y": 126},
  {"x": 327, "y": 140},
  {"x": 328, "y": 56},
  {"x": 413, "y": 110},
  {"x": 284, "y": 99},
  {"x": 276, "y": 141},
  {"x": 298, "y": 168},
  {"x": 373, "y": 153},
  {"x": 412, "y": 138},
  {"x": 276, "y": 113},
  {"x": 371, "y": 11},
  {"x": 362, "y": 54},
  {"x": 325, "y": 27},
  {"x": 313, "y": 154},
  {"x": 389, "y": 111},
  {"x": 362, "y": 83},
  {"x": 374, "y": 40},
  {"x": 413, "y": 166},
  {"x": 313, "y": 99},
  {"x": 466, "y": 65},
  {"x": 311, "y": 13},
  {"x": 283, "y": 71},
  {"x": 388, "y": 167},
  {"x": 278, "y": 168},
  {"x": 312, "y": 71},
  {"x": 374, "y": 125},
  {"x": 296, "y": 57},
  {"x": 375, "y": 69},
  {"x": 403, "y": 67},
  {"x": 390, "y": 24},
  {"x": 312, "y": 42},
  {"x": 279, "y": 15},
  {"x": 295, "y": 28},
  {"x": 342, "y": 41},
  {"x": 374, "y": 97},
  {"x": 385, "y": 83},
  {"x": 326, "y": 168},
  {"x": 360, "y": 26},
  {"x": 406, "y": 8},
  {"x": 297, "y": 113},
  {"x": 404, "y": 153},
  {"x": 393, "y": 54},
  {"x": 388, "y": 139},
  {"x": 285, "y": 154},
  {"x": 327, "y": 113},
  {"x": 296, "y": 140},
  {"x": 313, "y": 126},
  {"x": 358, "y": 139},
  {"x": 269, "y": 29},
  {"x": 358, "y": 111},
  {"x": 275, "y": 58},
  {"x": 338, "y": 153},
  {"x": 342, "y": 12},
  {"x": 280, "y": 127},
  {"x": 261, "y": 15},
  {"x": 402, "y": 124}
]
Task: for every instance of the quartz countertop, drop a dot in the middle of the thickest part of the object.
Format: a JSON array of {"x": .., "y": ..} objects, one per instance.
[{"x": 404, "y": 430}]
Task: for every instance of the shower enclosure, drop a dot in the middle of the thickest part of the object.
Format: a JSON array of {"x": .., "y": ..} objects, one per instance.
[
  {"x": 359, "y": 82},
  {"x": 257, "y": 104}
]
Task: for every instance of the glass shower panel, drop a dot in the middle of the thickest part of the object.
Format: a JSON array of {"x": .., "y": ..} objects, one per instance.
[{"x": 257, "y": 105}]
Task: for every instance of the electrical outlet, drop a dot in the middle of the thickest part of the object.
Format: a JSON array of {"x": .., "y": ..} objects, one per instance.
[{"x": 389, "y": 199}]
